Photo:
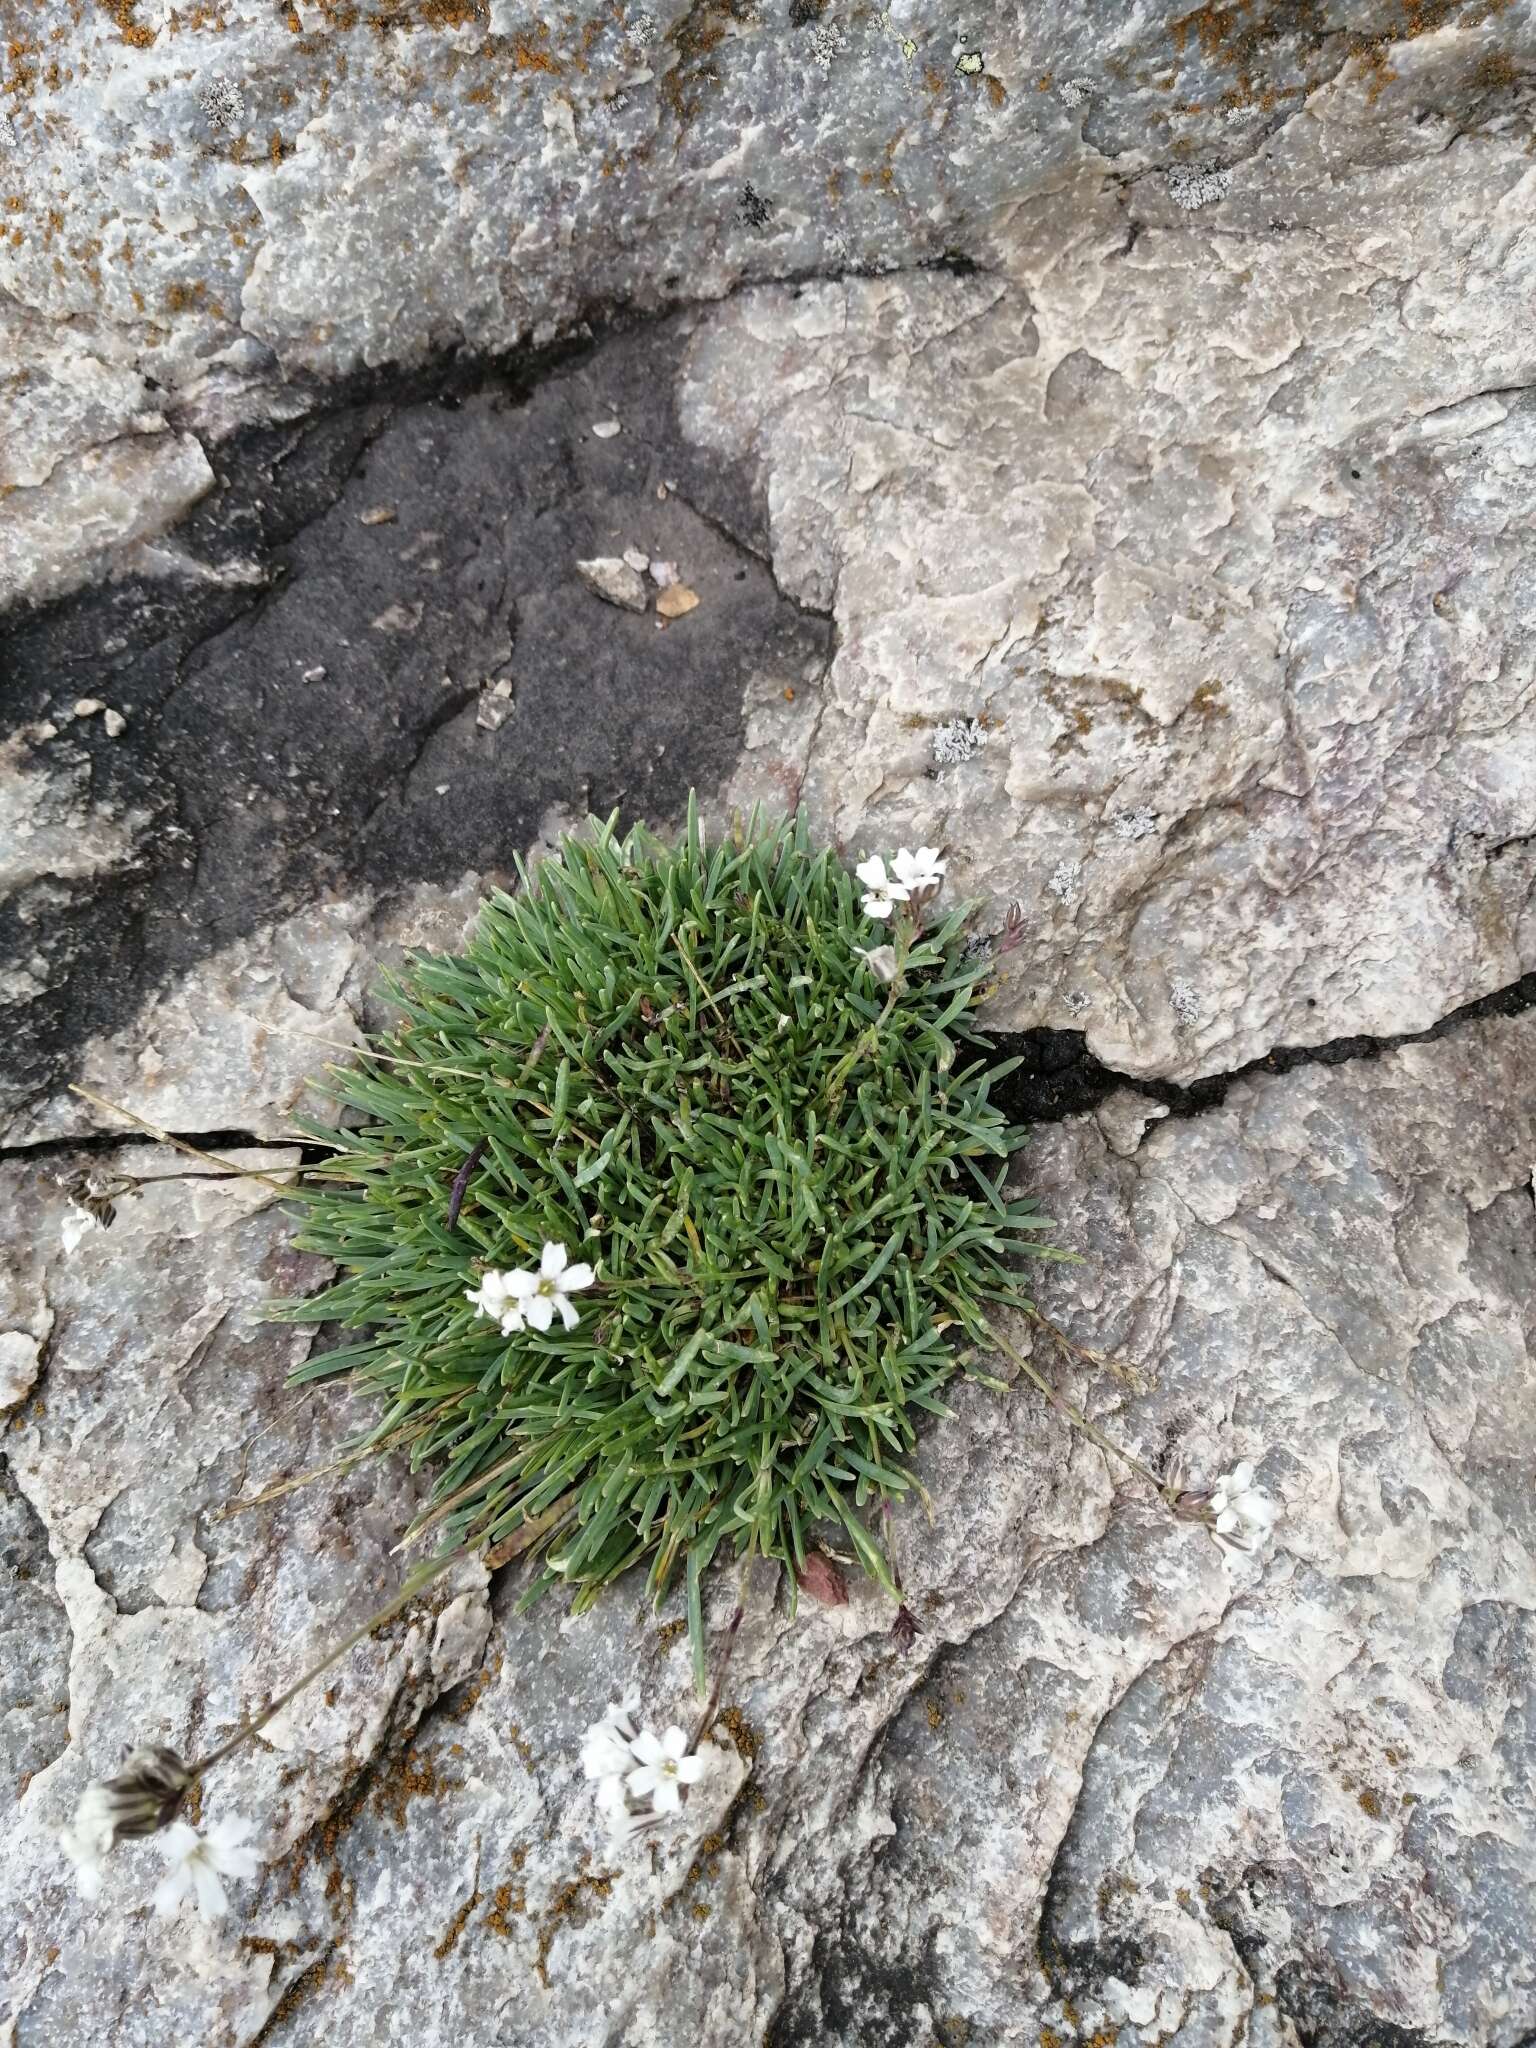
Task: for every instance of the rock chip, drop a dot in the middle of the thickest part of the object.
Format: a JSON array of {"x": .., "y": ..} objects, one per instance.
[{"x": 616, "y": 581}]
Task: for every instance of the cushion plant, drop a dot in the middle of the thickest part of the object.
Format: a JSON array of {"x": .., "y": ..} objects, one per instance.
[{"x": 776, "y": 1153}]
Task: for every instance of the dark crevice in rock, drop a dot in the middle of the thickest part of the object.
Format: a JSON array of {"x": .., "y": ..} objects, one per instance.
[
  {"x": 102, "y": 1144},
  {"x": 1326, "y": 2017},
  {"x": 1059, "y": 1077},
  {"x": 305, "y": 733}
]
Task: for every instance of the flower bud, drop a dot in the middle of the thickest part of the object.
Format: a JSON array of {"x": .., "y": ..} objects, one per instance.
[
  {"x": 147, "y": 1792},
  {"x": 881, "y": 961}
]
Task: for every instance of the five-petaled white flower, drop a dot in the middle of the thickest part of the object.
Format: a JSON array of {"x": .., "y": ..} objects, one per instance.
[
  {"x": 551, "y": 1288},
  {"x": 1243, "y": 1517},
  {"x": 884, "y": 891},
  {"x": 198, "y": 1861},
  {"x": 665, "y": 1767},
  {"x": 518, "y": 1299},
  {"x": 919, "y": 872}
]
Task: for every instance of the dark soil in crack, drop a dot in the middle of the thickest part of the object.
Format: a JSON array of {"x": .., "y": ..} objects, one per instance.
[
  {"x": 1059, "y": 1077},
  {"x": 303, "y": 711}
]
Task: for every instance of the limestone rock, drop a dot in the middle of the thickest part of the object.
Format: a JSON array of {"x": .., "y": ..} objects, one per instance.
[
  {"x": 144, "y": 1602},
  {"x": 1114, "y": 1784},
  {"x": 1218, "y": 531},
  {"x": 202, "y": 215}
]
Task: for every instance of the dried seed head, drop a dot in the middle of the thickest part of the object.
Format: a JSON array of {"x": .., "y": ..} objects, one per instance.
[
  {"x": 147, "y": 1792},
  {"x": 1193, "y": 1505},
  {"x": 904, "y": 1628},
  {"x": 95, "y": 1192}
]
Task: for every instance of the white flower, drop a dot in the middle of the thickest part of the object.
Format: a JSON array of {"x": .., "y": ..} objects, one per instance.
[
  {"x": 1243, "y": 1516},
  {"x": 665, "y": 1767},
  {"x": 78, "y": 1223},
  {"x": 197, "y": 1863},
  {"x": 883, "y": 891},
  {"x": 624, "y": 1823},
  {"x": 881, "y": 961},
  {"x": 549, "y": 1289},
  {"x": 89, "y": 1836},
  {"x": 498, "y": 1296},
  {"x": 919, "y": 871},
  {"x": 605, "y": 1748}
]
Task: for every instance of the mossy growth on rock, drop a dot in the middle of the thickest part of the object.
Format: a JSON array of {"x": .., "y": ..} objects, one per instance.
[{"x": 781, "y": 1161}]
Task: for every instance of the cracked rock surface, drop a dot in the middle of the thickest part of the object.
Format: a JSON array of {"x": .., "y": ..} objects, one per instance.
[
  {"x": 1210, "y": 537},
  {"x": 1169, "y": 560},
  {"x": 385, "y": 671},
  {"x": 203, "y": 207},
  {"x": 1115, "y": 1785}
]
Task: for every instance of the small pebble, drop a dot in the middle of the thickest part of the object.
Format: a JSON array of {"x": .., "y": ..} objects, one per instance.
[
  {"x": 606, "y": 429},
  {"x": 615, "y": 582},
  {"x": 115, "y": 723},
  {"x": 637, "y": 559},
  {"x": 663, "y": 574},
  {"x": 379, "y": 515},
  {"x": 676, "y": 600},
  {"x": 87, "y": 707},
  {"x": 314, "y": 675}
]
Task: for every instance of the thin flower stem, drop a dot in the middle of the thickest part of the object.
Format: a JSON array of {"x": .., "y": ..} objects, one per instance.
[
  {"x": 250, "y": 1729},
  {"x": 179, "y": 1144},
  {"x": 1090, "y": 1429},
  {"x": 712, "y": 1705}
]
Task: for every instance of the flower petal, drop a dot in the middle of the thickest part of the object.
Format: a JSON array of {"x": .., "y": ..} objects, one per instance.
[
  {"x": 1240, "y": 1478},
  {"x": 553, "y": 1261},
  {"x": 648, "y": 1748},
  {"x": 611, "y": 1796},
  {"x": 643, "y": 1782},
  {"x": 568, "y": 1315},
  {"x": 667, "y": 1798},
  {"x": 539, "y": 1312},
  {"x": 674, "y": 1743},
  {"x": 212, "y": 1899},
  {"x": 872, "y": 873},
  {"x": 877, "y": 906},
  {"x": 171, "y": 1890},
  {"x": 578, "y": 1276},
  {"x": 690, "y": 1769}
]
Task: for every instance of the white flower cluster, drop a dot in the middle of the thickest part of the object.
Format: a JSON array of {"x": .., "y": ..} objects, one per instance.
[
  {"x": 913, "y": 875},
  {"x": 1243, "y": 1518},
  {"x": 629, "y": 1765},
  {"x": 518, "y": 1299},
  {"x": 151, "y": 1786}
]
